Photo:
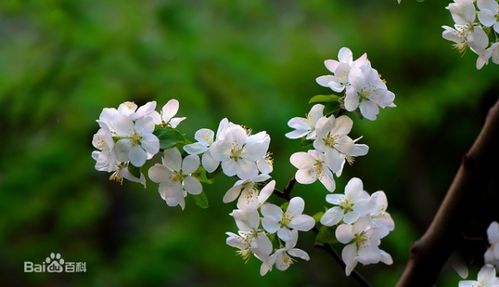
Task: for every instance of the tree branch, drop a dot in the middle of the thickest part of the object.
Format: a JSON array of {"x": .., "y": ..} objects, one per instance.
[{"x": 431, "y": 251}]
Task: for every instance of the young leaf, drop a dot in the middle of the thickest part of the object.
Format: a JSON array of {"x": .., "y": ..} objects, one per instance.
[
  {"x": 325, "y": 235},
  {"x": 168, "y": 137},
  {"x": 323, "y": 99},
  {"x": 201, "y": 200},
  {"x": 317, "y": 216}
]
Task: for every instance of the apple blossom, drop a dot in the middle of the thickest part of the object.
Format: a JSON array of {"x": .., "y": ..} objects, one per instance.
[
  {"x": 305, "y": 127},
  {"x": 249, "y": 240},
  {"x": 368, "y": 92},
  {"x": 332, "y": 139},
  {"x": 175, "y": 177},
  {"x": 341, "y": 70},
  {"x": 350, "y": 206},
  {"x": 362, "y": 244},
  {"x": 166, "y": 116},
  {"x": 282, "y": 256},
  {"x": 275, "y": 220},
  {"x": 204, "y": 139},
  {"x": 486, "y": 278},
  {"x": 492, "y": 254},
  {"x": 380, "y": 219},
  {"x": 312, "y": 166},
  {"x": 489, "y": 13},
  {"x": 487, "y": 54}
]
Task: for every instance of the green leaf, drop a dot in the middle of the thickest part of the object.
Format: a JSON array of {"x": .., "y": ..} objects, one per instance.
[
  {"x": 168, "y": 137},
  {"x": 201, "y": 200},
  {"x": 317, "y": 216},
  {"x": 325, "y": 235},
  {"x": 135, "y": 171},
  {"x": 323, "y": 99},
  {"x": 202, "y": 176}
]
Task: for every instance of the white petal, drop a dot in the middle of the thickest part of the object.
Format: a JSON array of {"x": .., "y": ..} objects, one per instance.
[
  {"x": 230, "y": 167},
  {"x": 342, "y": 125},
  {"x": 246, "y": 169},
  {"x": 493, "y": 232},
  {"x": 487, "y": 274},
  {"x": 285, "y": 234},
  {"x": 335, "y": 199},
  {"x": 354, "y": 187},
  {"x": 345, "y": 55},
  {"x": 478, "y": 39},
  {"x": 331, "y": 65},
  {"x": 121, "y": 149},
  {"x": 195, "y": 148},
  {"x": 159, "y": 173},
  {"x": 344, "y": 233},
  {"x": 190, "y": 164},
  {"x": 144, "y": 125},
  {"x": 452, "y": 35},
  {"x": 328, "y": 181},
  {"x": 351, "y": 100},
  {"x": 192, "y": 185},
  {"x": 332, "y": 216},
  {"x": 302, "y": 222},
  {"x": 324, "y": 80},
  {"x": 270, "y": 225},
  {"x": 296, "y": 206},
  {"x": 349, "y": 256},
  {"x": 369, "y": 110},
  {"x": 205, "y": 136},
  {"x": 232, "y": 193},
  {"x": 266, "y": 192},
  {"x": 174, "y": 122},
  {"x": 467, "y": 283},
  {"x": 137, "y": 156},
  {"x": 295, "y": 252},
  {"x": 305, "y": 176},
  {"x": 271, "y": 211},
  {"x": 296, "y": 134},
  {"x": 170, "y": 109},
  {"x": 172, "y": 159},
  {"x": 301, "y": 160},
  {"x": 150, "y": 143},
  {"x": 487, "y": 18},
  {"x": 209, "y": 163}
]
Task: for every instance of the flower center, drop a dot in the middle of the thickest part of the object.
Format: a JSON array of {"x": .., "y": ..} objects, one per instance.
[
  {"x": 177, "y": 176},
  {"x": 286, "y": 259},
  {"x": 346, "y": 205},
  {"x": 135, "y": 138},
  {"x": 286, "y": 219},
  {"x": 359, "y": 239},
  {"x": 330, "y": 140},
  {"x": 236, "y": 153},
  {"x": 318, "y": 167},
  {"x": 363, "y": 94}
]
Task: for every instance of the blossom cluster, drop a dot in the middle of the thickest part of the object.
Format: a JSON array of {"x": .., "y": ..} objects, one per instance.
[
  {"x": 129, "y": 138},
  {"x": 476, "y": 25},
  {"x": 487, "y": 276},
  {"x": 364, "y": 89},
  {"x": 360, "y": 219},
  {"x": 126, "y": 137}
]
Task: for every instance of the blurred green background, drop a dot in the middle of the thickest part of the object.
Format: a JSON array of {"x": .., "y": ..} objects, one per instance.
[{"x": 254, "y": 62}]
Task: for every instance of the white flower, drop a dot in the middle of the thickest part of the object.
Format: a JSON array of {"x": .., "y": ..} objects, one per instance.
[
  {"x": 166, "y": 116},
  {"x": 275, "y": 220},
  {"x": 205, "y": 138},
  {"x": 175, "y": 177},
  {"x": 464, "y": 36},
  {"x": 486, "y": 278},
  {"x": 363, "y": 245},
  {"x": 332, "y": 139},
  {"x": 489, "y": 13},
  {"x": 239, "y": 152},
  {"x": 105, "y": 160},
  {"x": 305, "y": 127},
  {"x": 248, "y": 193},
  {"x": 136, "y": 143},
  {"x": 341, "y": 70},
  {"x": 128, "y": 110},
  {"x": 282, "y": 257},
  {"x": 485, "y": 55},
  {"x": 249, "y": 240},
  {"x": 350, "y": 206},
  {"x": 367, "y": 92},
  {"x": 311, "y": 166},
  {"x": 492, "y": 253}
]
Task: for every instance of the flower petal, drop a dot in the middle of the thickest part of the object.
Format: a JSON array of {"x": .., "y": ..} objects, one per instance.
[{"x": 192, "y": 185}]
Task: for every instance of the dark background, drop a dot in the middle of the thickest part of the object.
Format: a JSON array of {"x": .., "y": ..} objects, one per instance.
[{"x": 255, "y": 62}]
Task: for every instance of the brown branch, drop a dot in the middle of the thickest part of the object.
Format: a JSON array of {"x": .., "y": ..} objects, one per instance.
[{"x": 444, "y": 234}]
